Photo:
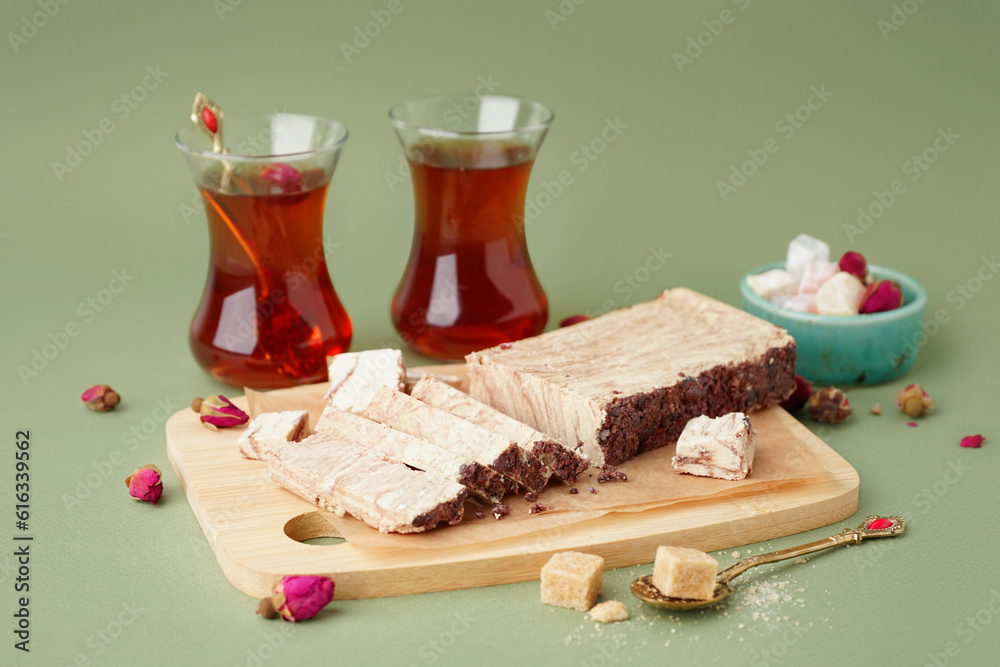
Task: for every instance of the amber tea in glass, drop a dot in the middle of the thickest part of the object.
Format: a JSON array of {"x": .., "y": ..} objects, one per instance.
[
  {"x": 269, "y": 314},
  {"x": 469, "y": 282}
]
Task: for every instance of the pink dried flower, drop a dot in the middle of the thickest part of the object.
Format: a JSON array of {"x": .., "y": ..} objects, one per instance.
[
  {"x": 829, "y": 406},
  {"x": 279, "y": 172},
  {"x": 145, "y": 484},
  {"x": 573, "y": 319},
  {"x": 911, "y": 424},
  {"x": 297, "y": 598},
  {"x": 799, "y": 398},
  {"x": 913, "y": 400},
  {"x": 880, "y": 296},
  {"x": 219, "y": 412},
  {"x": 855, "y": 264},
  {"x": 974, "y": 441},
  {"x": 92, "y": 393},
  {"x": 101, "y": 398}
]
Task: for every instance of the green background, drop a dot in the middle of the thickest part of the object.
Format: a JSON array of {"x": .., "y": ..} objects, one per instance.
[{"x": 124, "y": 208}]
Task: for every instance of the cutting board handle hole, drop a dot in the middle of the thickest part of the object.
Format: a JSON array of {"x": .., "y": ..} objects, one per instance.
[{"x": 312, "y": 528}]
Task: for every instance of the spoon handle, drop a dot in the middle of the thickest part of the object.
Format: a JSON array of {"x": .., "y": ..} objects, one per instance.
[{"x": 873, "y": 526}]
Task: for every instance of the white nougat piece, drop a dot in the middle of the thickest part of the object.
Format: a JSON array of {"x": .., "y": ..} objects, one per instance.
[
  {"x": 840, "y": 295},
  {"x": 722, "y": 447},
  {"x": 802, "y": 250},
  {"x": 272, "y": 429},
  {"x": 773, "y": 285},
  {"x": 356, "y": 376}
]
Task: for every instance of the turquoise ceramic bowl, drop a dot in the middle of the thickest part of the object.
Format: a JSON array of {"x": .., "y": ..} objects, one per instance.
[{"x": 860, "y": 349}]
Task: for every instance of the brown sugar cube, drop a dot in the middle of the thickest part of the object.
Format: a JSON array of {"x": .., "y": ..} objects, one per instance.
[
  {"x": 610, "y": 611},
  {"x": 572, "y": 580},
  {"x": 685, "y": 573}
]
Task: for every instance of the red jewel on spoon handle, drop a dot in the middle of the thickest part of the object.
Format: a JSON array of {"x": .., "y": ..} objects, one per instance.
[
  {"x": 208, "y": 116},
  {"x": 209, "y": 119}
]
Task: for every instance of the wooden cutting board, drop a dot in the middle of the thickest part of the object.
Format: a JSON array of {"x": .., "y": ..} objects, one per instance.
[{"x": 256, "y": 529}]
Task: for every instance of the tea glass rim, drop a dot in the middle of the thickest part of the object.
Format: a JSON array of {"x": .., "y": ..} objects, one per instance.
[
  {"x": 339, "y": 138},
  {"x": 445, "y": 132}
]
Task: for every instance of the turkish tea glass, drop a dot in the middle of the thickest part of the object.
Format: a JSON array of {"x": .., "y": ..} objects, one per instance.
[
  {"x": 469, "y": 283},
  {"x": 269, "y": 315}
]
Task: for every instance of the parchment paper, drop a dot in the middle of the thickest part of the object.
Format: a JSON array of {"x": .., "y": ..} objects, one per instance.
[{"x": 782, "y": 457}]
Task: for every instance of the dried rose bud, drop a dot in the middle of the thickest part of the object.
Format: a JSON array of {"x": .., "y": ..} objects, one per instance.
[
  {"x": 299, "y": 597},
  {"x": 799, "y": 398},
  {"x": 855, "y": 264},
  {"x": 573, "y": 319},
  {"x": 101, "y": 398},
  {"x": 279, "y": 172},
  {"x": 266, "y": 608},
  {"x": 974, "y": 441},
  {"x": 877, "y": 409},
  {"x": 219, "y": 412},
  {"x": 145, "y": 484},
  {"x": 829, "y": 406},
  {"x": 880, "y": 296},
  {"x": 914, "y": 401}
]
